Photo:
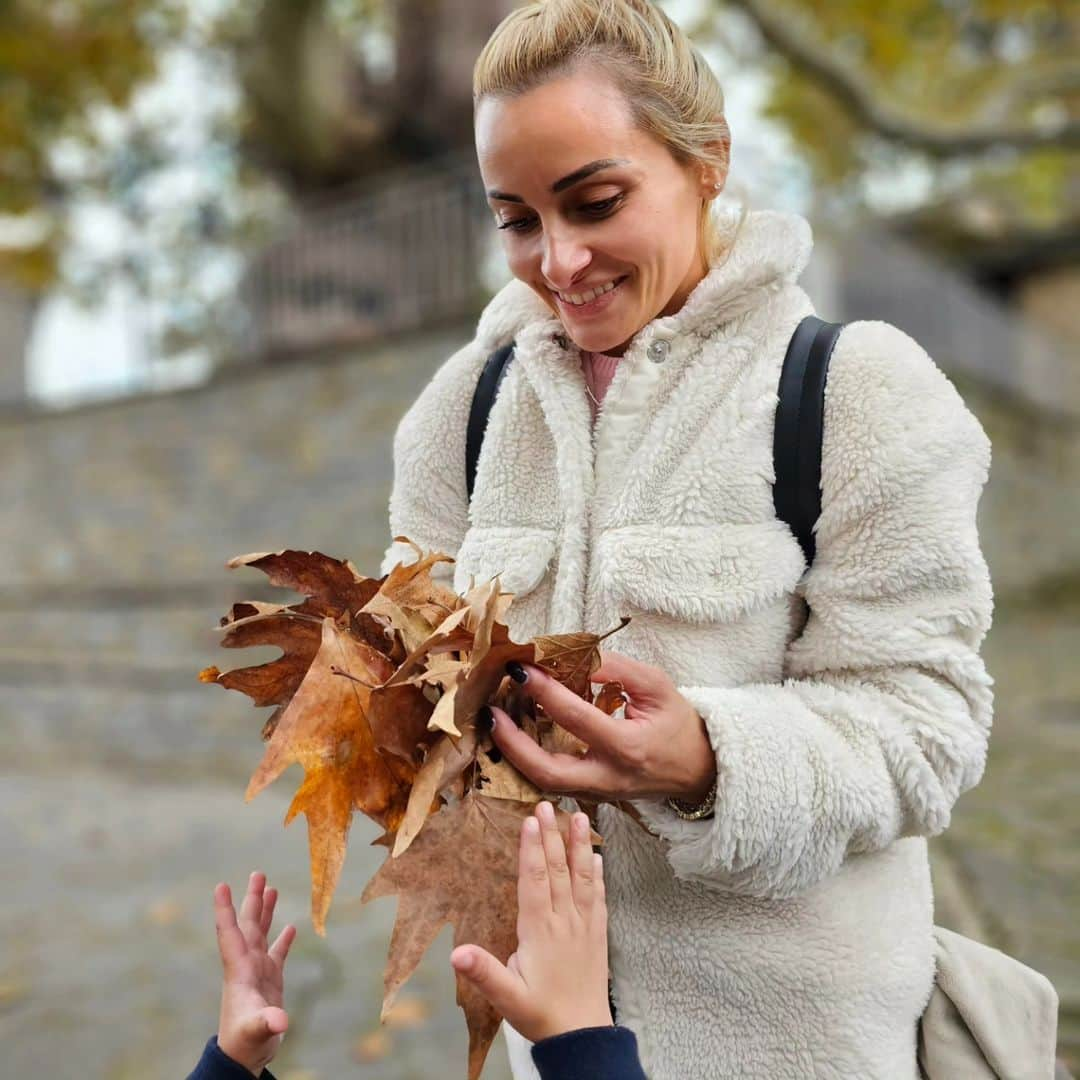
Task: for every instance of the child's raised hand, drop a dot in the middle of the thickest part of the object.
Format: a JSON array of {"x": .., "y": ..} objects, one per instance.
[
  {"x": 252, "y": 1022},
  {"x": 557, "y": 980}
]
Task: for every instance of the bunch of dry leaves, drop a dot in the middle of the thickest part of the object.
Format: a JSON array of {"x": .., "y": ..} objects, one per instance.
[{"x": 377, "y": 691}]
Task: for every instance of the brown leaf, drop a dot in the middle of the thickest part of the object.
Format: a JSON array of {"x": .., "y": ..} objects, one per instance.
[
  {"x": 444, "y": 764},
  {"x": 462, "y": 870},
  {"x": 450, "y": 635},
  {"x": 325, "y": 729},
  {"x": 275, "y": 682},
  {"x": 331, "y": 586},
  {"x": 413, "y": 602},
  {"x": 572, "y": 658},
  {"x": 500, "y": 780},
  {"x": 398, "y": 716},
  {"x": 442, "y": 716}
]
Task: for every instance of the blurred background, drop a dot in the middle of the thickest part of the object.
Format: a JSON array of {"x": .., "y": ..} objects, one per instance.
[{"x": 236, "y": 239}]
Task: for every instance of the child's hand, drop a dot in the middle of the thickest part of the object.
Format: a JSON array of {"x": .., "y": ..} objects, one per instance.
[
  {"x": 557, "y": 980},
  {"x": 252, "y": 1021}
]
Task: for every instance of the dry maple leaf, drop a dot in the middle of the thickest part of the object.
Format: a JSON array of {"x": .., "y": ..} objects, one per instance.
[
  {"x": 572, "y": 659},
  {"x": 332, "y": 588},
  {"x": 445, "y": 763},
  {"x": 398, "y": 716},
  {"x": 275, "y": 682},
  {"x": 412, "y": 601},
  {"x": 462, "y": 869},
  {"x": 325, "y": 729}
]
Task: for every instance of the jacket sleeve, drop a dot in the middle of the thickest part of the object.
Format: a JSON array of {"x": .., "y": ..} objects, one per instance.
[
  {"x": 428, "y": 500},
  {"x": 598, "y": 1053},
  {"x": 215, "y": 1064},
  {"x": 884, "y": 713}
]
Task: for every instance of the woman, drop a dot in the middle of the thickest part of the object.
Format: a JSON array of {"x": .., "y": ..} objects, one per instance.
[
  {"x": 773, "y": 919},
  {"x": 554, "y": 987}
]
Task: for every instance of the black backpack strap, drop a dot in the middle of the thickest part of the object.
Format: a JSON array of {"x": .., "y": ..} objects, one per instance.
[
  {"x": 483, "y": 398},
  {"x": 800, "y": 417}
]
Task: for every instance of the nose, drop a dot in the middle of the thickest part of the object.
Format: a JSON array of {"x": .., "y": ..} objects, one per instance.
[{"x": 565, "y": 256}]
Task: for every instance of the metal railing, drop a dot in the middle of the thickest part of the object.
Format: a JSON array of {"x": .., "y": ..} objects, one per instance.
[{"x": 400, "y": 256}]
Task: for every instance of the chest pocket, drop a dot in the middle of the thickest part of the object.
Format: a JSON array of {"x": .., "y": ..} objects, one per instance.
[
  {"x": 710, "y": 604},
  {"x": 521, "y": 557}
]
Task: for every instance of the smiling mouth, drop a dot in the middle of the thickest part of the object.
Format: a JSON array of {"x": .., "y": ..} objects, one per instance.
[{"x": 589, "y": 303}]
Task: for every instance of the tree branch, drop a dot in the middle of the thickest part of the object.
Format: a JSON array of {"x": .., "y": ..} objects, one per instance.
[{"x": 810, "y": 58}]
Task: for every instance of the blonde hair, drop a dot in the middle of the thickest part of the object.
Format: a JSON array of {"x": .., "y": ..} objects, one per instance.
[{"x": 668, "y": 85}]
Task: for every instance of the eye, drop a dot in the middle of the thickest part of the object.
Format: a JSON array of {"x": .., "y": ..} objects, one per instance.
[
  {"x": 513, "y": 226},
  {"x": 593, "y": 209},
  {"x": 605, "y": 204}
]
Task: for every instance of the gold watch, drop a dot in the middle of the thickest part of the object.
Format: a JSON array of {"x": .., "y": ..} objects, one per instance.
[{"x": 704, "y": 809}]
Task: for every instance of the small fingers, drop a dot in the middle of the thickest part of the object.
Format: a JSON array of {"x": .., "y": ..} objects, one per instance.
[
  {"x": 599, "y": 910},
  {"x": 503, "y": 988},
  {"x": 582, "y": 866},
  {"x": 534, "y": 892},
  {"x": 251, "y": 908},
  {"x": 231, "y": 943},
  {"x": 269, "y": 901},
  {"x": 558, "y": 869},
  {"x": 279, "y": 951}
]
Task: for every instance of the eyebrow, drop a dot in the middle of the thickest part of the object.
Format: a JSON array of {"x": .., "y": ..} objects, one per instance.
[{"x": 567, "y": 181}]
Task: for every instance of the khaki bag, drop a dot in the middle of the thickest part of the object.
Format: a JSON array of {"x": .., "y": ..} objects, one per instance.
[{"x": 989, "y": 1016}]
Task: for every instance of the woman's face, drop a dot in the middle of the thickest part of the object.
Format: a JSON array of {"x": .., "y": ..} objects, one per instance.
[{"x": 567, "y": 229}]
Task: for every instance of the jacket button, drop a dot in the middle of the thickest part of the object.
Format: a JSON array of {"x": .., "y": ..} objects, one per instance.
[{"x": 658, "y": 350}]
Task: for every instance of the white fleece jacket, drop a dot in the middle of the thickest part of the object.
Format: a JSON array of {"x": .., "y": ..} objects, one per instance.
[{"x": 790, "y": 936}]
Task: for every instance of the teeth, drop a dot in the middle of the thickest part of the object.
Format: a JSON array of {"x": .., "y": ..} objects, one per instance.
[{"x": 577, "y": 299}]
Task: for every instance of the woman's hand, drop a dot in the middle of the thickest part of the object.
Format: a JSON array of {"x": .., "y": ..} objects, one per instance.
[
  {"x": 252, "y": 1022},
  {"x": 661, "y": 748},
  {"x": 557, "y": 980}
]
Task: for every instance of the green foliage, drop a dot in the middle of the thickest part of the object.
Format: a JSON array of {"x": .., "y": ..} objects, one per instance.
[
  {"x": 58, "y": 60},
  {"x": 863, "y": 85}
]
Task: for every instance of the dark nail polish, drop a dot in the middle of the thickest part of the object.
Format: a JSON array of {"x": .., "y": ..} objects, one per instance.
[
  {"x": 485, "y": 720},
  {"x": 516, "y": 671}
]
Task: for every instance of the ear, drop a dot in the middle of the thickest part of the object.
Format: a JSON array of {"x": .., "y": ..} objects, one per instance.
[{"x": 717, "y": 174}]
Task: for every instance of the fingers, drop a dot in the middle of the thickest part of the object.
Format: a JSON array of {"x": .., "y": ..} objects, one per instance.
[
  {"x": 269, "y": 900},
  {"x": 231, "y": 943},
  {"x": 279, "y": 951},
  {"x": 235, "y": 932},
  {"x": 502, "y": 987},
  {"x": 645, "y": 683},
  {"x": 251, "y": 908},
  {"x": 551, "y": 772},
  {"x": 534, "y": 892},
  {"x": 582, "y": 865},
  {"x": 558, "y": 869},
  {"x": 580, "y": 717}
]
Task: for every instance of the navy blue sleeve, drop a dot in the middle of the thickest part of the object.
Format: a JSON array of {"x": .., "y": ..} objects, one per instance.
[
  {"x": 215, "y": 1064},
  {"x": 598, "y": 1053}
]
